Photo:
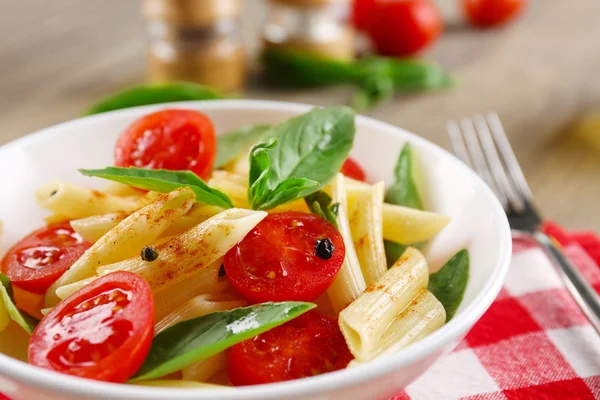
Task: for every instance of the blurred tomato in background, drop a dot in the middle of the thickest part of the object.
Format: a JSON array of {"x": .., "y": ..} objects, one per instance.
[{"x": 401, "y": 28}]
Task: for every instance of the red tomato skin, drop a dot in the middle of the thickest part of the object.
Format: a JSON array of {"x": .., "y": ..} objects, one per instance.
[
  {"x": 57, "y": 239},
  {"x": 169, "y": 139},
  {"x": 351, "y": 169},
  {"x": 309, "y": 345},
  {"x": 400, "y": 28},
  {"x": 132, "y": 326},
  {"x": 361, "y": 13},
  {"x": 488, "y": 13},
  {"x": 276, "y": 260}
]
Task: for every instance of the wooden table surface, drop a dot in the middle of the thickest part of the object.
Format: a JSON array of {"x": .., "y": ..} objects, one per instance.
[{"x": 539, "y": 74}]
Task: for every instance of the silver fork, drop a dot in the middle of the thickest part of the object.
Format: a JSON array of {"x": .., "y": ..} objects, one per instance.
[{"x": 481, "y": 143}]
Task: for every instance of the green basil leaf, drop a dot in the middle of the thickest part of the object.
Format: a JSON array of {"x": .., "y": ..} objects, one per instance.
[
  {"x": 303, "y": 154},
  {"x": 407, "y": 75},
  {"x": 189, "y": 341},
  {"x": 296, "y": 68},
  {"x": 403, "y": 192},
  {"x": 319, "y": 203},
  {"x": 449, "y": 283},
  {"x": 287, "y": 191},
  {"x": 25, "y": 321},
  {"x": 154, "y": 94},
  {"x": 164, "y": 181},
  {"x": 313, "y": 145},
  {"x": 230, "y": 145}
]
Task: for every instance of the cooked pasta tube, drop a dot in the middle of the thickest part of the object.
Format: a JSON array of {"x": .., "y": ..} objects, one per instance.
[
  {"x": 120, "y": 189},
  {"x": 73, "y": 202},
  {"x": 206, "y": 280},
  {"x": 240, "y": 165},
  {"x": 232, "y": 185},
  {"x": 349, "y": 282},
  {"x": 364, "y": 321},
  {"x": 409, "y": 225},
  {"x": 424, "y": 315},
  {"x": 185, "y": 254},
  {"x": 203, "y": 370},
  {"x": 198, "y": 306},
  {"x": 127, "y": 238},
  {"x": 401, "y": 224},
  {"x": 94, "y": 227},
  {"x": 366, "y": 226}
]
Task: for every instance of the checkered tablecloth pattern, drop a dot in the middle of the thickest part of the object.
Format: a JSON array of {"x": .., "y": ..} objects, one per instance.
[{"x": 533, "y": 342}]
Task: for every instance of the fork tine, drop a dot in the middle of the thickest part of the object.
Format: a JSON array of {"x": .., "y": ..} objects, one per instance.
[
  {"x": 479, "y": 163},
  {"x": 458, "y": 144},
  {"x": 510, "y": 160},
  {"x": 498, "y": 171}
]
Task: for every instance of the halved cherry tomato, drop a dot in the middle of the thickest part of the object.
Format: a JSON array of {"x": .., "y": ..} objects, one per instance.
[
  {"x": 103, "y": 331},
  {"x": 287, "y": 256},
  {"x": 401, "y": 28},
  {"x": 43, "y": 256},
  {"x": 169, "y": 139},
  {"x": 351, "y": 169},
  {"x": 309, "y": 345},
  {"x": 484, "y": 13}
]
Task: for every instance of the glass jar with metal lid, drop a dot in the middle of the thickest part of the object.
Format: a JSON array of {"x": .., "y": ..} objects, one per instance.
[
  {"x": 314, "y": 26},
  {"x": 196, "y": 40}
]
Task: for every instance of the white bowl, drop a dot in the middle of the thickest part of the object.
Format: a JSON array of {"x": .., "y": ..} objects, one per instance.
[{"x": 478, "y": 223}]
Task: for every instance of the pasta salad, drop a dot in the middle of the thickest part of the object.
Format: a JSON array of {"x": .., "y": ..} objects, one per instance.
[{"x": 257, "y": 256}]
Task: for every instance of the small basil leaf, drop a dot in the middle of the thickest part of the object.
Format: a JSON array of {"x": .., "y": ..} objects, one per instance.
[
  {"x": 193, "y": 340},
  {"x": 403, "y": 192},
  {"x": 164, "y": 181},
  {"x": 25, "y": 321},
  {"x": 153, "y": 94},
  {"x": 449, "y": 283},
  {"x": 289, "y": 190},
  {"x": 230, "y": 145},
  {"x": 313, "y": 145},
  {"x": 259, "y": 174},
  {"x": 319, "y": 203}
]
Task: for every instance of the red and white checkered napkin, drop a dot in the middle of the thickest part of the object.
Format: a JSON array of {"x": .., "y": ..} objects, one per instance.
[{"x": 533, "y": 342}]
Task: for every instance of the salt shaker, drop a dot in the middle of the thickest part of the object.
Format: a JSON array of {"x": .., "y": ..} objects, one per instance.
[
  {"x": 196, "y": 40},
  {"x": 319, "y": 27}
]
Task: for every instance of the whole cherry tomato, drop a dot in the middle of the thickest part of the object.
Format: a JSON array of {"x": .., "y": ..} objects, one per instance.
[
  {"x": 401, "y": 28},
  {"x": 484, "y": 13}
]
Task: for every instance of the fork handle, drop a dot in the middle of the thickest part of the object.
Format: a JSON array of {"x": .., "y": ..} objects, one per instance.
[{"x": 586, "y": 297}]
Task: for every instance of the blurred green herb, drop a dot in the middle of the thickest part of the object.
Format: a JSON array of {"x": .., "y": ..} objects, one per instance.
[
  {"x": 153, "y": 94},
  {"x": 377, "y": 78}
]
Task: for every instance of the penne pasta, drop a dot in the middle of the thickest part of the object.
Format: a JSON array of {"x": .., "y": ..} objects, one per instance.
[
  {"x": 424, "y": 315},
  {"x": 74, "y": 202},
  {"x": 349, "y": 282},
  {"x": 203, "y": 281},
  {"x": 127, "y": 238},
  {"x": 233, "y": 185},
  {"x": 120, "y": 189},
  {"x": 365, "y": 218},
  {"x": 94, "y": 227},
  {"x": 365, "y": 320},
  {"x": 198, "y": 306},
  {"x": 192, "y": 251},
  {"x": 408, "y": 225},
  {"x": 203, "y": 370}
]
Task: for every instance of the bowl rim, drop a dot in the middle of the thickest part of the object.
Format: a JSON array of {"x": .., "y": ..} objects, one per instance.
[{"x": 434, "y": 343}]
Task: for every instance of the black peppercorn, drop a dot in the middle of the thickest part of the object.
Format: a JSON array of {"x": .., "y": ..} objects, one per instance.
[
  {"x": 324, "y": 248},
  {"x": 222, "y": 271},
  {"x": 149, "y": 253}
]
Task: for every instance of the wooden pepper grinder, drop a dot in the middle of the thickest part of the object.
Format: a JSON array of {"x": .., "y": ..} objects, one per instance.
[
  {"x": 196, "y": 40},
  {"x": 319, "y": 27}
]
